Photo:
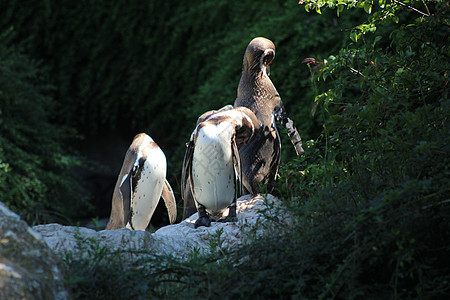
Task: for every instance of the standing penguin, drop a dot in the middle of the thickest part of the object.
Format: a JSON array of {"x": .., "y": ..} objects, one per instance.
[
  {"x": 211, "y": 165},
  {"x": 141, "y": 182},
  {"x": 261, "y": 157},
  {"x": 188, "y": 199}
]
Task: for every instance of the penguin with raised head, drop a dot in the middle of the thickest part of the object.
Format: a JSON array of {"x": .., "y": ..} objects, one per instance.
[
  {"x": 211, "y": 166},
  {"x": 141, "y": 183},
  {"x": 261, "y": 157}
]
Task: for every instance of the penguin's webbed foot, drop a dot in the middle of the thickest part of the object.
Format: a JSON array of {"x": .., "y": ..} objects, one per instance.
[
  {"x": 203, "y": 218},
  {"x": 232, "y": 217},
  {"x": 203, "y": 221},
  {"x": 228, "y": 219}
]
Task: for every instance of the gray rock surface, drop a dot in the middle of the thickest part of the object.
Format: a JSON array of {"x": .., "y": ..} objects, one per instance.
[
  {"x": 28, "y": 267},
  {"x": 179, "y": 240}
]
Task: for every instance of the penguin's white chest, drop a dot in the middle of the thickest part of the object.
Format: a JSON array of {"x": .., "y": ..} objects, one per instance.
[
  {"x": 147, "y": 190},
  {"x": 212, "y": 169}
]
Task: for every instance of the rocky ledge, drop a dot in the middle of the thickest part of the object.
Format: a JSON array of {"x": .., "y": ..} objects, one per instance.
[{"x": 178, "y": 240}]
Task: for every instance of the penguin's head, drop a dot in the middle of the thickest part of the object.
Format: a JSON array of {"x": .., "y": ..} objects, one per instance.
[
  {"x": 258, "y": 56},
  {"x": 255, "y": 90}
]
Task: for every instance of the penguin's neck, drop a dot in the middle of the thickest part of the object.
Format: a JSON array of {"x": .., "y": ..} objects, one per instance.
[{"x": 257, "y": 92}]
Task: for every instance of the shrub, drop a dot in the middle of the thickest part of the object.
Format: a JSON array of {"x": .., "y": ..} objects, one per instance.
[{"x": 36, "y": 170}]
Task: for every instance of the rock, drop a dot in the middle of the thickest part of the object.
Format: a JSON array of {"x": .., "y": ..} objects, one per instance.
[
  {"x": 178, "y": 240},
  {"x": 28, "y": 267},
  {"x": 252, "y": 216},
  {"x": 85, "y": 242}
]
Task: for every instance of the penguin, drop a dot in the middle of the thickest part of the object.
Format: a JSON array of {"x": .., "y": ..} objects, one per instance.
[
  {"x": 261, "y": 157},
  {"x": 211, "y": 166},
  {"x": 141, "y": 182},
  {"x": 189, "y": 205}
]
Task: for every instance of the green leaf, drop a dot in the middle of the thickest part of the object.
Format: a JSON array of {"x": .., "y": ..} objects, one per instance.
[
  {"x": 354, "y": 35},
  {"x": 367, "y": 8},
  {"x": 376, "y": 40},
  {"x": 340, "y": 8},
  {"x": 314, "y": 108}
]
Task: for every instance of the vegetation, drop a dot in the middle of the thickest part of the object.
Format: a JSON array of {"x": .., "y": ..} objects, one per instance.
[
  {"x": 35, "y": 177},
  {"x": 371, "y": 191}
]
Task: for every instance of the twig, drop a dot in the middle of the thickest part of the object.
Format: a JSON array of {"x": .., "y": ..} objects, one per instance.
[
  {"x": 426, "y": 44},
  {"x": 428, "y": 11},
  {"x": 356, "y": 71},
  {"x": 364, "y": 76},
  {"x": 412, "y": 8},
  {"x": 436, "y": 204}
]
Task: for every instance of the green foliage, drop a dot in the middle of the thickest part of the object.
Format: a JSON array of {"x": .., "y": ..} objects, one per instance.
[
  {"x": 370, "y": 194},
  {"x": 376, "y": 181},
  {"x": 96, "y": 272},
  {"x": 35, "y": 179}
]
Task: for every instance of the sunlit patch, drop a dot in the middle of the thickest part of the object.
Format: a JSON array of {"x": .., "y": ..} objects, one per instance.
[{"x": 9, "y": 271}]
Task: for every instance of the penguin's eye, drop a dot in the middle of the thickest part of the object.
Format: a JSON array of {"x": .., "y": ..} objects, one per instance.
[{"x": 268, "y": 58}]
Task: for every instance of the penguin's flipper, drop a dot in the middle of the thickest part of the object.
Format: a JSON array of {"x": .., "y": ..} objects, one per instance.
[
  {"x": 169, "y": 200},
  {"x": 127, "y": 195},
  {"x": 282, "y": 118},
  {"x": 189, "y": 207},
  {"x": 237, "y": 166},
  {"x": 187, "y": 165},
  {"x": 186, "y": 184},
  {"x": 232, "y": 217}
]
